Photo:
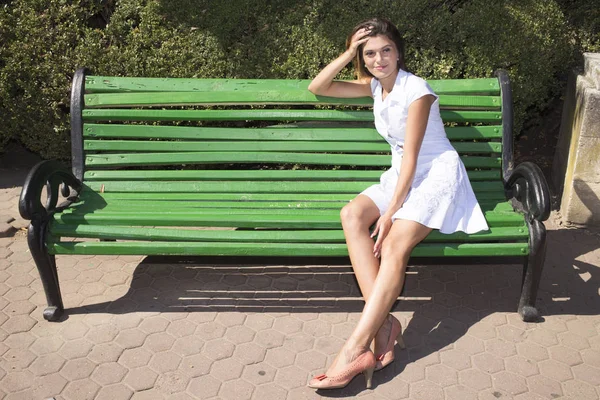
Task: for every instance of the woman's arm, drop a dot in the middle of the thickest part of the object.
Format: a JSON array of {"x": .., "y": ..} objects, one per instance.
[
  {"x": 416, "y": 123},
  {"x": 324, "y": 85}
]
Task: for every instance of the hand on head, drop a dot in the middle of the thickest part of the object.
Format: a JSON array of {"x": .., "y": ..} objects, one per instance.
[{"x": 359, "y": 37}]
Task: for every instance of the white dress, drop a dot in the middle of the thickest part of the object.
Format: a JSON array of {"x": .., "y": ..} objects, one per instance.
[{"x": 441, "y": 196}]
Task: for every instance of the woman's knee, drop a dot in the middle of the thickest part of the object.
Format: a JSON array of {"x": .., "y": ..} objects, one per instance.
[
  {"x": 397, "y": 248},
  {"x": 353, "y": 215}
]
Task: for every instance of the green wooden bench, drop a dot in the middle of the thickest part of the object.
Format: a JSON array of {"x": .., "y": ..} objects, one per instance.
[{"x": 161, "y": 166}]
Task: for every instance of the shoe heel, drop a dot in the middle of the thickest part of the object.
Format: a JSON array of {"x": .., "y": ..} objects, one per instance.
[
  {"x": 369, "y": 377},
  {"x": 400, "y": 340}
]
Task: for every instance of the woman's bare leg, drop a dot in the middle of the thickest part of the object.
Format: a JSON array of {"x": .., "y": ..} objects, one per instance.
[
  {"x": 396, "y": 249},
  {"x": 357, "y": 218}
]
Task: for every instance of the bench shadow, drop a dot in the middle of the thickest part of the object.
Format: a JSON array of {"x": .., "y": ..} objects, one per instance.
[{"x": 445, "y": 300}]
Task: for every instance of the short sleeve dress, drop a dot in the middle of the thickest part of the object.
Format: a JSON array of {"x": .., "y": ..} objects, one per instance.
[{"x": 441, "y": 196}]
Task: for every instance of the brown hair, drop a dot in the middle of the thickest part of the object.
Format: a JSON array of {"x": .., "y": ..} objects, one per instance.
[{"x": 376, "y": 26}]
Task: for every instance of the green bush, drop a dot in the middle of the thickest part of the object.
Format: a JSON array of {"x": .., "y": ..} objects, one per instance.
[{"x": 43, "y": 42}]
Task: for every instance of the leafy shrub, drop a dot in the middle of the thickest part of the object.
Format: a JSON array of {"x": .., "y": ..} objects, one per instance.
[{"x": 43, "y": 42}]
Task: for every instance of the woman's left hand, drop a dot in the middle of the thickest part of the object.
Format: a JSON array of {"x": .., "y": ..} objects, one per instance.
[{"x": 382, "y": 228}]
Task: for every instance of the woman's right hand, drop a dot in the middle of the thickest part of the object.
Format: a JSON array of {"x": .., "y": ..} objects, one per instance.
[{"x": 358, "y": 38}]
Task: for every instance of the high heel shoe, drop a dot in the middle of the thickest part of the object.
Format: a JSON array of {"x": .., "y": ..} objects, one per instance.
[
  {"x": 387, "y": 357},
  {"x": 364, "y": 363}
]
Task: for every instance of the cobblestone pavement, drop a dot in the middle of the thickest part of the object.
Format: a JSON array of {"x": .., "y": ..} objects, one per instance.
[{"x": 137, "y": 330}]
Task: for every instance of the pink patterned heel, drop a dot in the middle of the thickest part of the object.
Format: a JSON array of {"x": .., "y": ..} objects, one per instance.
[
  {"x": 363, "y": 364},
  {"x": 386, "y": 358}
]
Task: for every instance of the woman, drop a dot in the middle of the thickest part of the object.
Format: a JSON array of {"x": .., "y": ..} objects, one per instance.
[{"x": 426, "y": 188}]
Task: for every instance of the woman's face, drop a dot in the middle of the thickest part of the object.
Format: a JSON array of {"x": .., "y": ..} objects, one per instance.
[{"x": 380, "y": 56}]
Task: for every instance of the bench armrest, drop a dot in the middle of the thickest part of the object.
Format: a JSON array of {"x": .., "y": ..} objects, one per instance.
[
  {"x": 51, "y": 175},
  {"x": 528, "y": 187}
]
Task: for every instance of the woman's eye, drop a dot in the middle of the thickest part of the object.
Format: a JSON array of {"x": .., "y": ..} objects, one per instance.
[
  {"x": 369, "y": 53},
  {"x": 387, "y": 50}
]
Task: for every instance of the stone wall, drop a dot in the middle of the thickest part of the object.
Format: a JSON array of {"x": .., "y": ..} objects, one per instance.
[{"x": 576, "y": 167}]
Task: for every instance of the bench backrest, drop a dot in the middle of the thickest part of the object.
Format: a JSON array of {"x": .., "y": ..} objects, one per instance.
[{"x": 233, "y": 139}]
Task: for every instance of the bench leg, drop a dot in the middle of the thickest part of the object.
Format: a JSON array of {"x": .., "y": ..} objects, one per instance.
[
  {"x": 46, "y": 265},
  {"x": 532, "y": 271}
]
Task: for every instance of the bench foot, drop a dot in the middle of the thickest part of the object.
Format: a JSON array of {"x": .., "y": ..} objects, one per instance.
[
  {"x": 532, "y": 271},
  {"x": 53, "y": 313},
  {"x": 46, "y": 266},
  {"x": 529, "y": 314}
]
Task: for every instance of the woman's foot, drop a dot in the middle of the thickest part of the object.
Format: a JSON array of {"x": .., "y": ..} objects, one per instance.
[
  {"x": 349, "y": 363},
  {"x": 388, "y": 334}
]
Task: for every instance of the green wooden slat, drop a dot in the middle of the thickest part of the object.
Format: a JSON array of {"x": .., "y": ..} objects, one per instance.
[
  {"x": 232, "y": 187},
  {"x": 268, "y": 115},
  {"x": 131, "y": 206},
  {"x": 254, "y": 175},
  {"x": 314, "y": 147},
  {"x": 302, "y": 219},
  {"x": 91, "y": 130},
  {"x": 277, "y": 236},
  {"x": 219, "y": 175},
  {"x": 171, "y": 146},
  {"x": 87, "y": 194},
  {"x": 210, "y": 133},
  {"x": 106, "y": 84},
  {"x": 474, "y": 132},
  {"x": 114, "y": 160},
  {"x": 276, "y": 97},
  {"x": 275, "y": 249},
  {"x": 253, "y": 187}
]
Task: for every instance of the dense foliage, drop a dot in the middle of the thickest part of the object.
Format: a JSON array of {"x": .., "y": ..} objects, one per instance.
[{"x": 42, "y": 42}]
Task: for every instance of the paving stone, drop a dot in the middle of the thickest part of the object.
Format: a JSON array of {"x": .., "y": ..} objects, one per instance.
[
  {"x": 544, "y": 386},
  {"x": 456, "y": 359},
  {"x": 226, "y": 369},
  {"x": 140, "y": 379},
  {"x": 46, "y": 345},
  {"x": 291, "y": 377},
  {"x": 587, "y": 374},
  {"x": 109, "y": 373},
  {"x": 17, "y": 381},
  {"x": 591, "y": 357},
  {"x": 188, "y": 346},
  {"x": 441, "y": 375},
  {"x": 532, "y": 351},
  {"x": 475, "y": 379},
  {"x": 500, "y": 347},
  {"x": 48, "y": 386},
  {"x": 259, "y": 373},
  {"x": 575, "y": 390},
  {"x": 76, "y": 349},
  {"x": 573, "y": 341},
  {"x": 157, "y": 342},
  {"x": 105, "y": 352},
  {"x": 172, "y": 382},
  {"x": 236, "y": 390},
  {"x": 181, "y": 328},
  {"x": 47, "y": 364},
  {"x": 521, "y": 366},
  {"x": 136, "y": 357},
  {"x": 77, "y": 369},
  {"x": 20, "y": 340},
  {"x": 311, "y": 360},
  {"x": 131, "y": 338},
  {"x": 204, "y": 386},
  {"x": 509, "y": 382},
  {"x": 83, "y": 389},
  {"x": 165, "y": 362},
  {"x": 425, "y": 390},
  {"x": 115, "y": 392},
  {"x": 459, "y": 392},
  {"x": 210, "y": 330},
  {"x": 196, "y": 365}
]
